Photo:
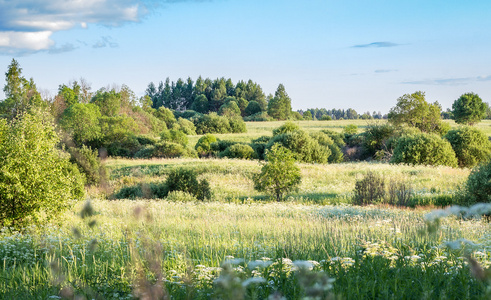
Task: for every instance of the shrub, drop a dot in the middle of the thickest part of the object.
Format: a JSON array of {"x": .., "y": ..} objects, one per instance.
[
  {"x": 259, "y": 146},
  {"x": 88, "y": 163},
  {"x": 174, "y": 136},
  {"x": 238, "y": 151},
  {"x": 478, "y": 185},
  {"x": 146, "y": 140},
  {"x": 286, "y": 128},
  {"x": 252, "y": 108},
  {"x": 279, "y": 175},
  {"x": 376, "y": 137},
  {"x": 326, "y": 118},
  {"x": 471, "y": 146},
  {"x": 350, "y": 129},
  {"x": 304, "y": 147},
  {"x": 169, "y": 150},
  {"x": 399, "y": 192},
  {"x": 424, "y": 148},
  {"x": 258, "y": 117},
  {"x": 203, "y": 146},
  {"x": 212, "y": 123},
  {"x": 186, "y": 126},
  {"x": 145, "y": 152},
  {"x": 237, "y": 125},
  {"x": 186, "y": 180},
  {"x": 35, "y": 177},
  {"x": 369, "y": 190},
  {"x": 222, "y": 145},
  {"x": 324, "y": 140}
]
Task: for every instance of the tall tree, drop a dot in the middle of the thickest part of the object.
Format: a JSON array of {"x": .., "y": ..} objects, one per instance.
[
  {"x": 280, "y": 106},
  {"x": 468, "y": 109},
  {"x": 413, "y": 110}
]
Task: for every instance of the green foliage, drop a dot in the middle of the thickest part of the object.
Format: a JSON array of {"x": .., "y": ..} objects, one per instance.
[
  {"x": 212, "y": 123},
  {"x": 81, "y": 121},
  {"x": 468, "y": 109},
  {"x": 325, "y": 140},
  {"x": 203, "y": 146},
  {"x": 174, "y": 136},
  {"x": 279, "y": 175},
  {"x": 350, "y": 129},
  {"x": 201, "y": 104},
  {"x": 326, "y": 118},
  {"x": 35, "y": 177},
  {"x": 166, "y": 115},
  {"x": 424, "y": 148},
  {"x": 88, "y": 163},
  {"x": 258, "y": 117},
  {"x": 307, "y": 116},
  {"x": 471, "y": 146},
  {"x": 376, "y": 137},
  {"x": 186, "y": 126},
  {"x": 21, "y": 94},
  {"x": 259, "y": 146},
  {"x": 413, "y": 110},
  {"x": 478, "y": 185},
  {"x": 238, "y": 151},
  {"x": 252, "y": 108},
  {"x": 369, "y": 190},
  {"x": 280, "y": 106},
  {"x": 167, "y": 149},
  {"x": 295, "y": 115},
  {"x": 285, "y": 128},
  {"x": 185, "y": 180},
  {"x": 304, "y": 147},
  {"x": 229, "y": 109},
  {"x": 109, "y": 102},
  {"x": 237, "y": 125}
]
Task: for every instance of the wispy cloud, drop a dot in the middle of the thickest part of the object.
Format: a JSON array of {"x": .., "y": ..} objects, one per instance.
[
  {"x": 450, "y": 81},
  {"x": 385, "y": 71},
  {"x": 62, "y": 49},
  {"x": 377, "y": 45},
  {"x": 105, "y": 41},
  {"x": 27, "y": 25}
]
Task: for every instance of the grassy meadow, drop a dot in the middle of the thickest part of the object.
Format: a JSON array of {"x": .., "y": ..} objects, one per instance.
[{"x": 243, "y": 245}]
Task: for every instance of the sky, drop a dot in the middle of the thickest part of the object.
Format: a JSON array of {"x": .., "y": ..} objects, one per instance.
[{"x": 333, "y": 54}]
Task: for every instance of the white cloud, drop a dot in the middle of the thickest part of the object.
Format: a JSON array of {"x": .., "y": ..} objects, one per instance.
[{"x": 27, "y": 25}]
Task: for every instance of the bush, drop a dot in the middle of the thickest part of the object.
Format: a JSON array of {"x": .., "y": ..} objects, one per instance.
[
  {"x": 203, "y": 146},
  {"x": 212, "y": 123},
  {"x": 146, "y": 140},
  {"x": 174, "y": 136},
  {"x": 237, "y": 125},
  {"x": 399, "y": 192},
  {"x": 88, "y": 163},
  {"x": 478, "y": 185},
  {"x": 145, "y": 152},
  {"x": 304, "y": 147},
  {"x": 185, "y": 180},
  {"x": 376, "y": 137},
  {"x": 238, "y": 151},
  {"x": 35, "y": 177},
  {"x": 369, "y": 190},
  {"x": 326, "y": 118},
  {"x": 326, "y": 141},
  {"x": 259, "y": 146},
  {"x": 180, "y": 196},
  {"x": 350, "y": 129},
  {"x": 279, "y": 175},
  {"x": 286, "y": 128},
  {"x": 186, "y": 126},
  {"x": 169, "y": 150},
  {"x": 258, "y": 117},
  {"x": 425, "y": 149},
  {"x": 471, "y": 146}
]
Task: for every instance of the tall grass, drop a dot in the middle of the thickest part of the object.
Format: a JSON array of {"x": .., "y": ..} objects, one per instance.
[{"x": 371, "y": 252}]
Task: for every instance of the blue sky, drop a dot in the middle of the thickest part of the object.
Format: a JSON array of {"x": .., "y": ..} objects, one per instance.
[{"x": 332, "y": 54}]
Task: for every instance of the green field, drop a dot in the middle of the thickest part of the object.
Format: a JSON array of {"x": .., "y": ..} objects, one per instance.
[
  {"x": 258, "y": 129},
  {"x": 241, "y": 244}
]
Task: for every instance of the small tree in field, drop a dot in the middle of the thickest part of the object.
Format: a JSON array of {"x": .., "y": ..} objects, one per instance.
[
  {"x": 279, "y": 175},
  {"x": 468, "y": 109},
  {"x": 35, "y": 177}
]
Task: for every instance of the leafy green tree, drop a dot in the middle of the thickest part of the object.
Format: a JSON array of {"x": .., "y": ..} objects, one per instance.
[
  {"x": 186, "y": 180},
  {"x": 413, "y": 110},
  {"x": 478, "y": 185},
  {"x": 307, "y": 116},
  {"x": 252, "y": 108},
  {"x": 35, "y": 177},
  {"x": 280, "y": 106},
  {"x": 81, "y": 121},
  {"x": 229, "y": 109},
  {"x": 109, "y": 102},
  {"x": 174, "y": 136},
  {"x": 279, "y": 175},
  {"x": 468, "y": 109},
  {"x": 21, "y": 94},
  {"x": 470, "y": 145},
  {"x": 201, "y": 104},
  {"x": 285, "y": 128},
  {"x": 166, "y": 115},
  {"x": 303, "y": 146},
  {"x": 203, "y": 146}
]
